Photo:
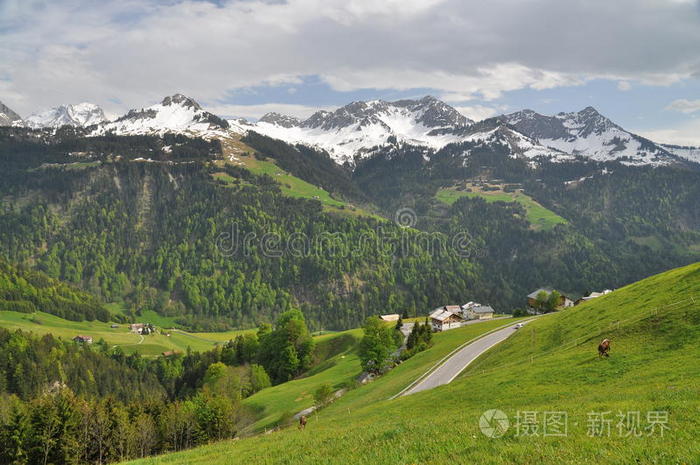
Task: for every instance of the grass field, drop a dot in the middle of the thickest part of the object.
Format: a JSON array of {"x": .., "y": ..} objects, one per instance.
[
  {"x": 550, "y": 366},
  {"x": 539, "y": 217},
  {"x": 239, "y": 154}
]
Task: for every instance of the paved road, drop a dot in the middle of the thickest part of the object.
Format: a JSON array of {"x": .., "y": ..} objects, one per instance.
[{"x": 454, "y": 365}]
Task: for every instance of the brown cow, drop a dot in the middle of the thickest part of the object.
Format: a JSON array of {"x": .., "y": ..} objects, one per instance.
[
  {"x": 302, "y": 422},
  {"x": 604, "y": 348}
]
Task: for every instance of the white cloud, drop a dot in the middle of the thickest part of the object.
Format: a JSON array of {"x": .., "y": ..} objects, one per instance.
[
  {"x": 687, "y": 133},
  {"x": 480, "y": 112},
  {"x": 684, "y": 106},
  {"x": 139, "y": 50}
]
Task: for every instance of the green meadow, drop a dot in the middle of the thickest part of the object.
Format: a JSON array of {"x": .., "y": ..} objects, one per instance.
[
  {"x": 639, "y": 406},
  {"x": 539, "y": 217}
]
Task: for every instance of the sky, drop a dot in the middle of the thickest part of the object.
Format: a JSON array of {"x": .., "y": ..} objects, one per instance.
[{"x": 636, "y": 61}]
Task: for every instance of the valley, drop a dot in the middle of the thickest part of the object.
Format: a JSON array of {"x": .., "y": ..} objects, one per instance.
[
  {"x": 141, "y": 219},
  {"x": 550, "y": 365}
]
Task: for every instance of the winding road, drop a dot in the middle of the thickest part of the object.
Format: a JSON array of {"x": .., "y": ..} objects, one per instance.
[{"x": 450, "y": 368}]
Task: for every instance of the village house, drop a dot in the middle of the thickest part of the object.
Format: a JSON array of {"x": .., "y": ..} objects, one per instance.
[
  {"x": 447, "y": 317},
  {"x": 142, "y": 328},
  {"x": 390, "y": 317},
  {"x": 564, "y": 301},
  {"x": 136, "y": 327},
  {"x": 479, "y": 312},
  {"x": 83, "y": 339}
]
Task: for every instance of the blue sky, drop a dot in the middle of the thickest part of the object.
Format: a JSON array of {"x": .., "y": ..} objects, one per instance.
[{"x": 636, "y": 61}]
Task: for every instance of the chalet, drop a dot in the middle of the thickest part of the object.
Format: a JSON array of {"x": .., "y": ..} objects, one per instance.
[
  {"x": 447, "y": 317},
  {"x": 170, "y": 353},
  {"x": 142, "y": 328},
  {"x": 136, "y": 327},
  {"x": 564, "y": 301},
  {"x": 480, "y": 312},
  {"x": 114, "y": 326},
  {"x": 476, "y": 311},
  {"x": 389, "y": 317},
  {"x": 83, "y": 339}
]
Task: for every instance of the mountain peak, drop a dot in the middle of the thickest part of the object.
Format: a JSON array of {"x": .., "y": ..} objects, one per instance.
[
  {"x": 8, "y": 117},
  {"x": 79, "y": 115},
  {"x": 175, "y": 114},
  {"x": 279, "y": 119},
  {"x": 182, "y": 100}
]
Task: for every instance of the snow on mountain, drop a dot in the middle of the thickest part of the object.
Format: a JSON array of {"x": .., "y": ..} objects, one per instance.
[
  {"x": 175, "y": 114},
  {"x": 81, "y": 115},
  {"x": 496, "y": 131},
  {"x": 688, "y": 153},
  {"x": 355, "y": 129},
  {"x": 9, "y": 117},
  {"x": 590, "y": 134}
]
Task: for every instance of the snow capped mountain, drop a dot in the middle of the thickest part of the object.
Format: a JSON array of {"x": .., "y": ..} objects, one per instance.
[
  {"x": 177, "y": 114},
  {"x": 590, "y": 134},
  {"x": 9, "y": 117},
  {"x": 353, "y": 130},
  {"x": 80, "y": 115},
  {"x": 496, "y": 131}
]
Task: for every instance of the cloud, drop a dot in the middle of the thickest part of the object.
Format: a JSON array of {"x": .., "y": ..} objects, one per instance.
[
  {"x": 687, "y": 133},
  {"x": 139, "y": 50},
  {"x": 684, "y": 106},
  {"x": 480, "y": 112},
  {"x": 624, "y": 86}
]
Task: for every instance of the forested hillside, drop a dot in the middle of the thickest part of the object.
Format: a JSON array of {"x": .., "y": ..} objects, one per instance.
[
  {"x": 30, "y": 291},
  {"x": 151, "y": 233},
  {"x": 147, "y": 221}
]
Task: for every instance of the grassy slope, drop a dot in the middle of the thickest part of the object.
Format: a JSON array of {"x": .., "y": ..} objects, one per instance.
[
  {"x": 550, "y": 365},
  {"x": 539, "y": 216},
  {"x": 237, "y": 153},
  {"x": 42, "y": 323}
]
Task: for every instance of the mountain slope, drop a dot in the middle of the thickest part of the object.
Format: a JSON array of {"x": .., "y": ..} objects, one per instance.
[
  {"x": 590, "y": 134},
  {"x": 30, "y": 291},
  {"x": 9, "y": 117},
  {"x": 551, "y": 365},
  {"x": 688, "y": 153},
  {"x": 79, "y": 115},
  {"x": 175, "y": 114}
]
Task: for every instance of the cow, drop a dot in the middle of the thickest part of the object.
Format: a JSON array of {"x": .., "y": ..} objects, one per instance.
[
  {"x": 302, "y": 422},
  {"x": 604, "y": 348}
]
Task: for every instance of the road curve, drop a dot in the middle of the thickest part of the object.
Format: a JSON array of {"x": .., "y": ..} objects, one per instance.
[{"x": 454, "y": 365}]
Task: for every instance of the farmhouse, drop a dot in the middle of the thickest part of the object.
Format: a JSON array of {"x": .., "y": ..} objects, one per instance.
[
  {"x": 83, "y": 339},
  {"x": 447, "y": 317},
  {"x": 142, "y": 328},
  {"x": 390, "y": 317},
  {"x": 136, "y": 327},
  {"x": 480, "y": 312},
  {"x": 476, "y": 311},
  {"x": 564, "y": 301}
]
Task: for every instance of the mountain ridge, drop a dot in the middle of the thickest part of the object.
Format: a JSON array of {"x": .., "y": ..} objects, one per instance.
[
  {"x": 360, "y": 129},
  {"x": 78, "y": 115}
]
